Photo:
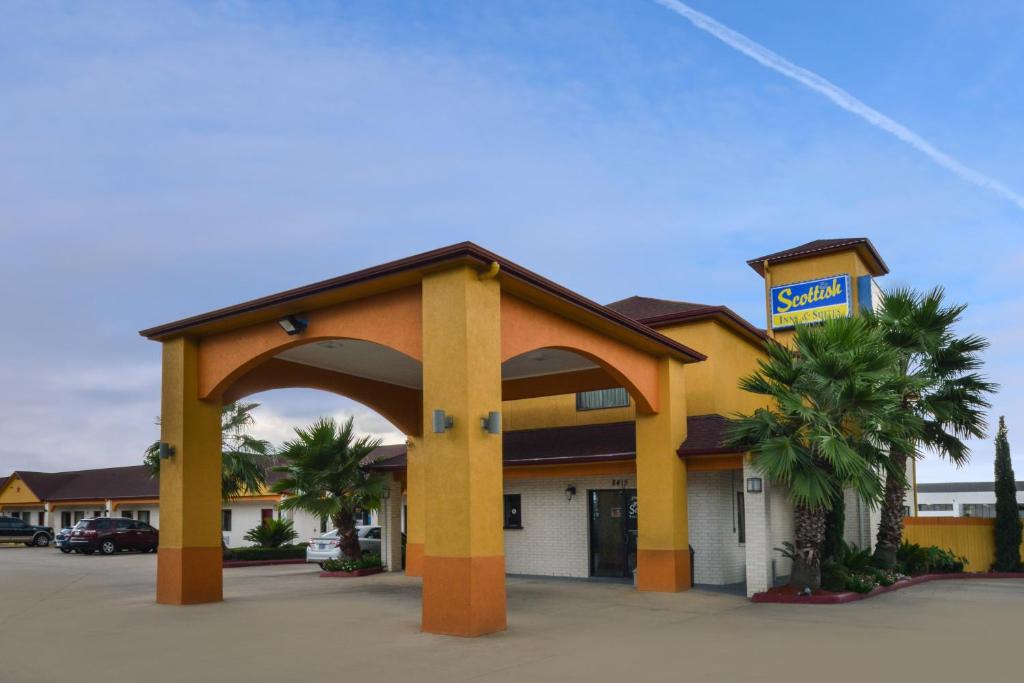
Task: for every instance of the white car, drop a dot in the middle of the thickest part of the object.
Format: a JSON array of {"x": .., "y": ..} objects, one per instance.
[{"x": 327, "y": 547}]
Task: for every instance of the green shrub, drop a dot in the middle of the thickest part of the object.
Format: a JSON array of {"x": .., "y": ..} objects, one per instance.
[
  {"x": 914, "y": 560},
  {"x": 834, "y": 576},
  {"x": 272, "y": 533},
  {"x": 346, "y": 564},
  {"x": 944, "y": 561},
  {"x": 284, "y": 552},
  {"x": 853, "y": 559},
  {"x": 861, "y": 583}
]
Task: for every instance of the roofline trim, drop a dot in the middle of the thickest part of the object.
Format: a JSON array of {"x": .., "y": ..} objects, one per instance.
[
  {"x": 449, "y": 253},
  {"x": 758, "y": 263},
  {"x": 706, "y": 312}
]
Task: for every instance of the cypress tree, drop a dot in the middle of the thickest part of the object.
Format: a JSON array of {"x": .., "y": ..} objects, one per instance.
[{"x": 1008, "y": 524}]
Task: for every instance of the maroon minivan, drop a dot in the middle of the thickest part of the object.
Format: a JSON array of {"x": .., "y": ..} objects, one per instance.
[{"x": 111, "y": 534}]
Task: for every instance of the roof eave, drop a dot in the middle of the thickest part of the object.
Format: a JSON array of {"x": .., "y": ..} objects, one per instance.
[{"x": 462, "y": 250}]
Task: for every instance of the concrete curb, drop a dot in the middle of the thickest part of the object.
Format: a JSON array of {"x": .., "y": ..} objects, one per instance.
[
  {"x": 842, "y": 598},
  {"x": 366, "y": 571}
]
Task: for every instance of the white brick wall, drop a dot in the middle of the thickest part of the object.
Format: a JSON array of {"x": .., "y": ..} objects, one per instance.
[
  {"x": 554, "y": 540},
  {"x": 719, "y": 558}
]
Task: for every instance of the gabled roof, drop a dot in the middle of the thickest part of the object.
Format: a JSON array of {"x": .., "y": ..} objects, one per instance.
[
  {"x": 657, "y": 313},
  {"x": 817, "y": 247},
  {"x": 108, "y": 482},
  {"x": 962, "y": 487},
  {"x": 584, "y": 443},
  {"x": 463, "y": 251},
  {"x": 643, "y": 307}
]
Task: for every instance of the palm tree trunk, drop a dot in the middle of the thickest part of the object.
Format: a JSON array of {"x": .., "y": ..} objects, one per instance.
[
  {"x": 809, "y": 537},
  {"x": 348, "y": 538},
  {"x": 890, "y": 528}
]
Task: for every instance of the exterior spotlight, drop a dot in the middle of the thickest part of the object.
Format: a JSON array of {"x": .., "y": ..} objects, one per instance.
[
  {"x": 442, "y": 422},
  {"x": 292, "y": 324},
  {"x": 166, "y": 450},
  {"x": 491, "y": 423},
  {"x": 570, "y": 491},
  {"x": 754, "y": 485}
]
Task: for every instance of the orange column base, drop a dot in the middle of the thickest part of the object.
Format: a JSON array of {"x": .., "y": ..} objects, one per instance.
[
  {"x": 464, "y": 596},
  {"x": 414, "y": 559},
  {"x": 663, "y": 571},
  {"x": 189, "y": 576}
]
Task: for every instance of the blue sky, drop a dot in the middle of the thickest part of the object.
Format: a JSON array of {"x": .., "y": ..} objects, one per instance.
[{"x": 165, "y": 159}]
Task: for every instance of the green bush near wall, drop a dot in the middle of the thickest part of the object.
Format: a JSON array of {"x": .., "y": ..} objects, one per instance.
[{"x": 284, "y": 552}]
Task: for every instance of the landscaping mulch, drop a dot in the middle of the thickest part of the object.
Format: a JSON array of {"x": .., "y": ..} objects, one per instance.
[
  {"x": 787, "y": 595},
  {"x": 229, "y": 564},
  {"x": 365, "y": 571}
]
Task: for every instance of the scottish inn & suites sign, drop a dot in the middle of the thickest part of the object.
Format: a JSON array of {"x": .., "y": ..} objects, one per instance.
[{"x": 812, "y": 301}]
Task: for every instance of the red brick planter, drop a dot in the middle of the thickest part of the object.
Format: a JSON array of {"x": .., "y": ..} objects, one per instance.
[
  {"x": 825, "y": 598},
  {"x": 366, "y": 571},
  {"x": 229, "y": 564}
]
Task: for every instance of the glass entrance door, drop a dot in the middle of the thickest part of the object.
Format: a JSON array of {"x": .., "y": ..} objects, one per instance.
[{"x": 613, "y": 516}]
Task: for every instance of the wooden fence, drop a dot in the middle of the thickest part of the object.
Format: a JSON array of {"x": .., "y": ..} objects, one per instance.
[{"x": 971, "y": 537}]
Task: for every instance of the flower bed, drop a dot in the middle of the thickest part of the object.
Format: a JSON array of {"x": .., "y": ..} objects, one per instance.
[
  {"x": 365, "y": 571},
  {"x": 786, "y": 595},
  {"x": 348, "y": 567}
]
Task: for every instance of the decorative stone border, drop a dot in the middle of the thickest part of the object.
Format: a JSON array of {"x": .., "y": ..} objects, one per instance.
[
  {"x": 231, "y": 564},
  {"x": 365, "y": 571},
  {"x": 848, "y": 596}
]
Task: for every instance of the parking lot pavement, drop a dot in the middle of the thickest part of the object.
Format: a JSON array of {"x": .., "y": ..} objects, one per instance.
[{"x": 79, "y": 618}]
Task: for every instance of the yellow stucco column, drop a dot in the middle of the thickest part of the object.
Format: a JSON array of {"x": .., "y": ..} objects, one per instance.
[
  {"x": 415, "y": 513},
  {"x": 189, "y": 561},
  {"x": 464, "y": 561},
  {"x": 663, "y": 558}
]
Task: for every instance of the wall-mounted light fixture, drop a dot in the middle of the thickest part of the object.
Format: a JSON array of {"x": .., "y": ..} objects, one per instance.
[
  {"x": 491, "y": 423},
  {"x": 754, "y": 485},
  {"x": 570, "y": 491},
  {"x": 442, "y": 421},
  {"x": 293, "y": 324},
  {"x": 166, "y": 450}
]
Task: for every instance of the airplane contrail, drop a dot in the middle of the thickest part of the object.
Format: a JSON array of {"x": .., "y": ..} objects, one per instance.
[{"x": 776, "y": 62}]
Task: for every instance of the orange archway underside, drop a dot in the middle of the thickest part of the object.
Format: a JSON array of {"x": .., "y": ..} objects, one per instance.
[
  {"x": 526, "y": 327},
  {"x": 393, "y": 319}
]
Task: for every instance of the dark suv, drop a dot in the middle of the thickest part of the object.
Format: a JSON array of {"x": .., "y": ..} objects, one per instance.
[
  {"x": 110, "y": 534},
  {"x": 14, "y": 530}
]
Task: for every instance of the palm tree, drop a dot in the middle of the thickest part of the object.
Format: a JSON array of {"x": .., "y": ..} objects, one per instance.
[
  {"x": 833, "y": 417},
  {"x": 244, "y": 458},
  {"x": 324, "y": 476},
  {"x": 940, "y": 384}
]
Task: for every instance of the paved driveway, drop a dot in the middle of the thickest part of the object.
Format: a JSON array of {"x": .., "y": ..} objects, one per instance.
[{"x": 78, "y": 618}]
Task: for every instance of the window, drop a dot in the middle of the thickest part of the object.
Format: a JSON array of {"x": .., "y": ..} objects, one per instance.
[
  {"x": 987, "y": 510},
  {"x": 124, "y": 524},
  {"x": 364, "y": 518},
  {"x": 225, "y": 520},
  {"x": 602, "y": 398},
  {"x": 65, "y": 519},
  {"x": 266, "y": 515},
  {"x": 40, "y": 518},
  {"x": 97, "y": 513},
  {"x": 906, "y": 510},
  {"x": 373, "y": 533},
  {"x": 104, "y": 524},
  {"x": 934, "y": 507},
  {"x": 79, "y": 516},
  {"x": 741, "y": 518},
  {"x": 323, "y": 525},
  {"x": 127, "y": 514},
  {"x": 143, "y": 516},
  {"x": 513, "y": 511}
]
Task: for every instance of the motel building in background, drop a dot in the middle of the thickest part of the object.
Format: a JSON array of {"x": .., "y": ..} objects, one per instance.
[
  {"x": 546, "y": 434},
  {"x": 61, "y": 499}
]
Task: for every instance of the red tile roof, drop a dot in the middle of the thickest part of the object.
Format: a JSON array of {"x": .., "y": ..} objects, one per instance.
[
  {"x": 585, "y": 443},
  {"x": 642, "y": 307},
  {"x": 862, "y": 244}
]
